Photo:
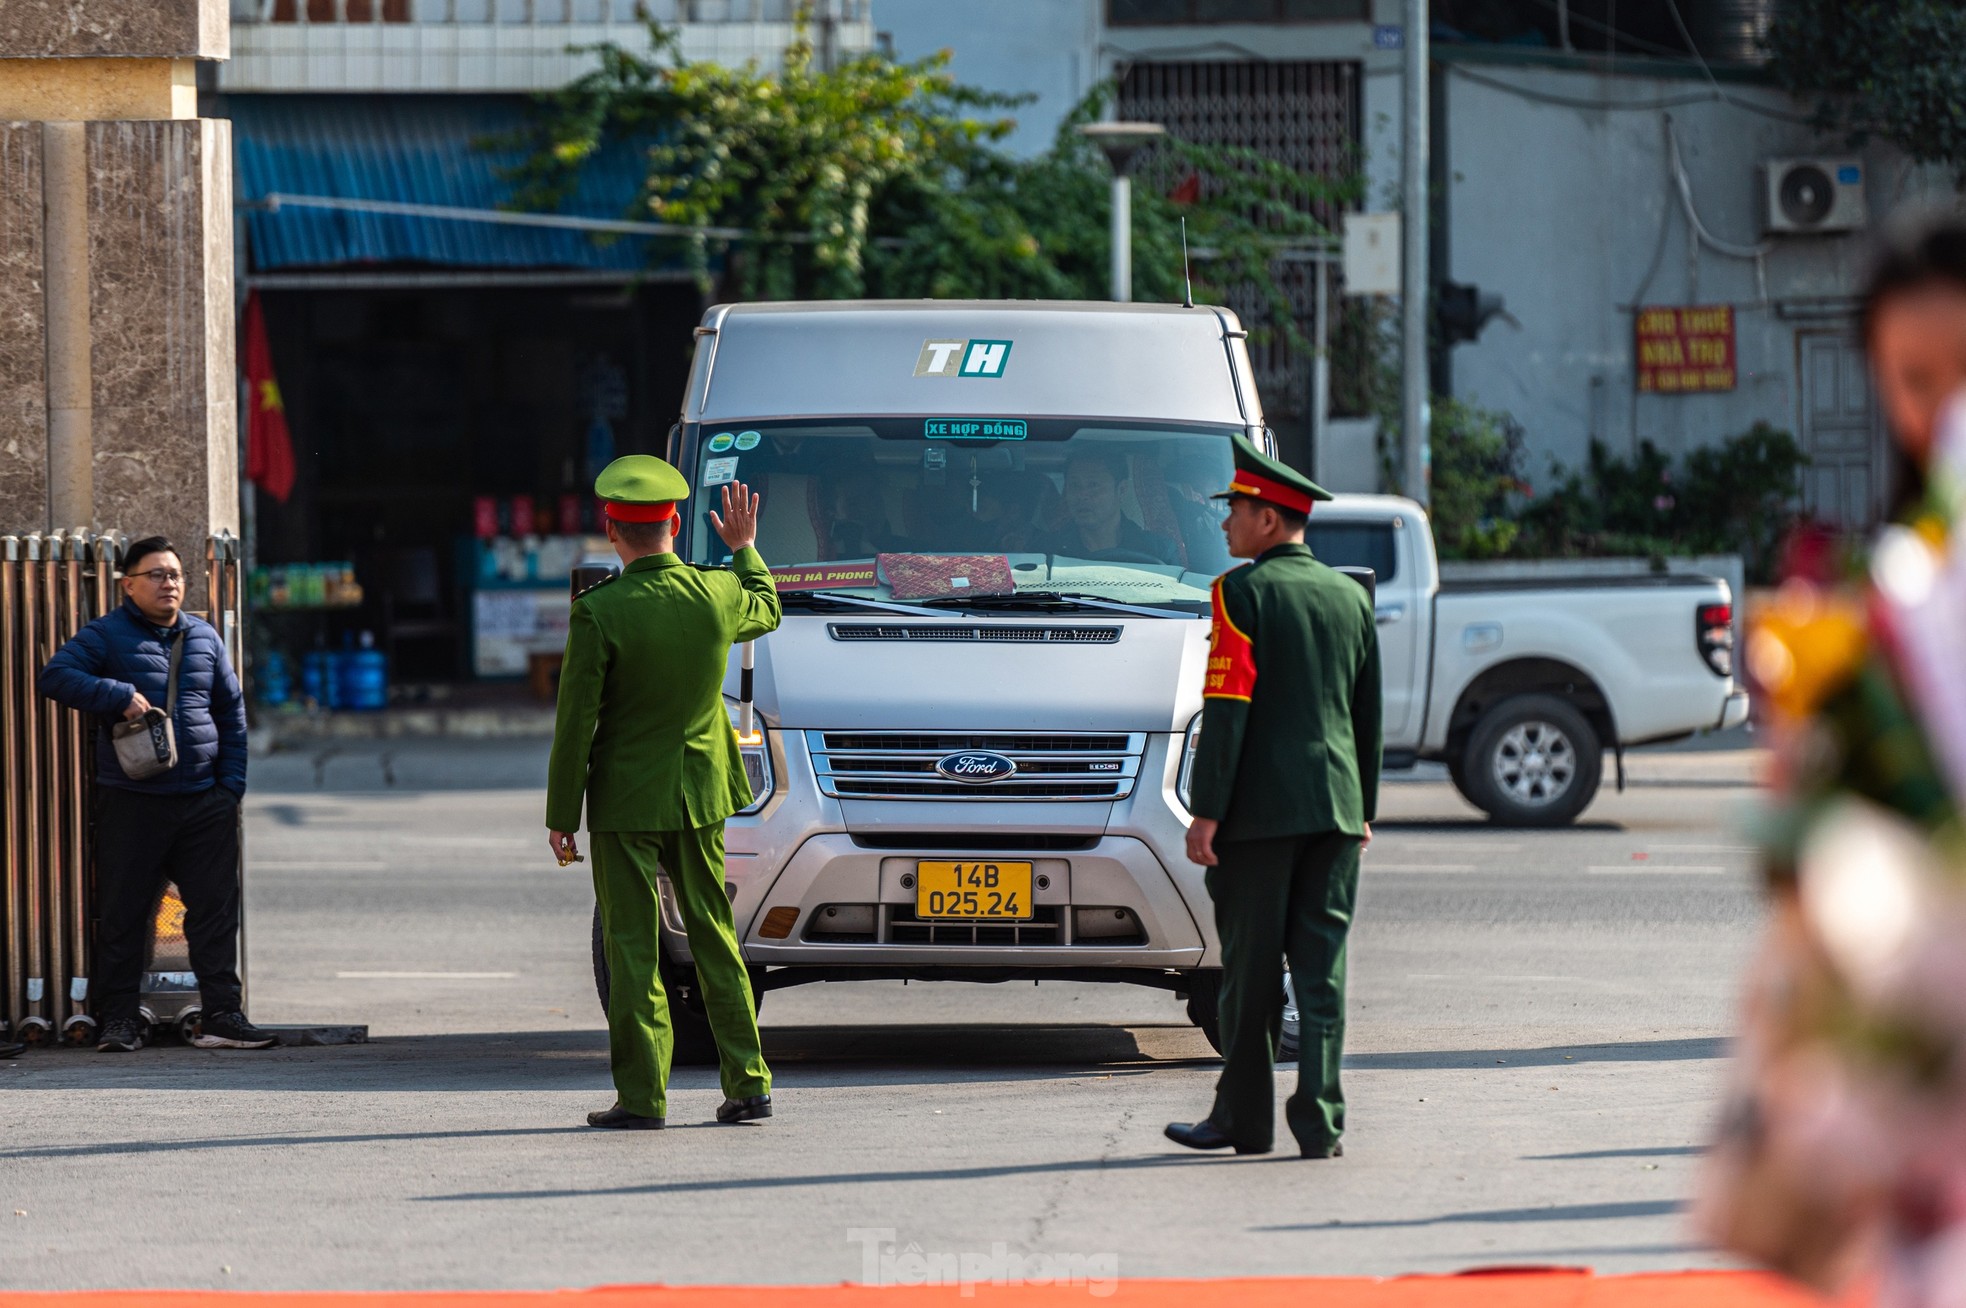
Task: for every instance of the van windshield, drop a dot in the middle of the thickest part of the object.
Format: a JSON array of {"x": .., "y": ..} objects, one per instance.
[{"x": 988, "y": 511}]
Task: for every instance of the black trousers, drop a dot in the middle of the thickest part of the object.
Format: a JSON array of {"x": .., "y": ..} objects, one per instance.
[{"x": 143, "y": 841}]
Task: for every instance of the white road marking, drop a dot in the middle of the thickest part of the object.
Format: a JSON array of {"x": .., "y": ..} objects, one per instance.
[
  {"x": 1707, "y": 869},
  {"x": 1704, "y": 849},
  {"x": 1485, "y": 976},
  {"x": 335, "y": 865},
  {"x": 1369, "y": 865},
  {"x": 425, "y": 976}
]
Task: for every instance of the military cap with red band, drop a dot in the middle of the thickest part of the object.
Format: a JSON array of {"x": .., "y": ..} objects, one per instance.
[
  {"x": 1260, "y": 477},
  {"x": 640, "y": 488}
]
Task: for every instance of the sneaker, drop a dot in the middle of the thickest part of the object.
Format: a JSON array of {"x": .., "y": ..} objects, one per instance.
[
  {"x": 123, "y": 1035},
  {"x": 231, "y": 1031}
]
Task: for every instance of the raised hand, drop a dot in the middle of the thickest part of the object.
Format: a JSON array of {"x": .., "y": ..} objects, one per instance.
[{"x": 738, "y": 523}]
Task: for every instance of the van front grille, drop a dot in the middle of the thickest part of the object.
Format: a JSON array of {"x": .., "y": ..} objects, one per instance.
[
  {"x": 999, "y": 632},
  {"x": 902, "y": 765}
]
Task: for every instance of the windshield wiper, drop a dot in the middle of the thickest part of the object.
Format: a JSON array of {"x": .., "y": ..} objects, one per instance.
[
  {"x": 1047, "y": 598},
  {"x": 857, "y": 601}
]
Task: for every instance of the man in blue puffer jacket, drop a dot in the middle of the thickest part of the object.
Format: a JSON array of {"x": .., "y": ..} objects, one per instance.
[{"x": 180, "y": 826}]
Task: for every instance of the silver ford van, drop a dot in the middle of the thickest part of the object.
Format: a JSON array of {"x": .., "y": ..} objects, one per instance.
[{"x": 990, "y": 526}]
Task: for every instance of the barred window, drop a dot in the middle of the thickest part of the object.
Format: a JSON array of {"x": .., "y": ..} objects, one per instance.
[{"x": 1151, "y": 13}]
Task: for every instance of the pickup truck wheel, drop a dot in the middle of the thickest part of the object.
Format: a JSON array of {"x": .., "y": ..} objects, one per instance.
[
  {"x": 695, "y": 1044},
  {"x": 1533, "y": 761},
  {"x": 1457, "y": 772}
]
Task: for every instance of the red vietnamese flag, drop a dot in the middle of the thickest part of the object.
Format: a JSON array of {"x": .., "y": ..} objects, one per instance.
[{"x": 269, "y": 445}]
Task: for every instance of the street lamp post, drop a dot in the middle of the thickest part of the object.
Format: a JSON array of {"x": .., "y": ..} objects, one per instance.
[{"x": 1122, "y": 143}]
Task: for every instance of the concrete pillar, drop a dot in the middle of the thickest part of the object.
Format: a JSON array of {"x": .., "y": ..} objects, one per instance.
[{"x": 117, "y": 398}]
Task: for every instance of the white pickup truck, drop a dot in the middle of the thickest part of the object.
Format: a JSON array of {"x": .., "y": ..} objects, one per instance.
[{"x": 1520, "y": 686}]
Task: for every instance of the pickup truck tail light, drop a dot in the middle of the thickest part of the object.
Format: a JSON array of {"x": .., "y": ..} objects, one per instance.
[{"x": 1713, "y": 632}]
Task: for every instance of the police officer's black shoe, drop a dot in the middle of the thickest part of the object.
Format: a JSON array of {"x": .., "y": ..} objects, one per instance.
[
  {"x": 744, "y": 1110},
  {"x": 1205, "y": 1135},
  {"x": 1332, "y": 1150},
  {"x": 620, "y": 1119},
  {"x": 11, "y": 1050}
]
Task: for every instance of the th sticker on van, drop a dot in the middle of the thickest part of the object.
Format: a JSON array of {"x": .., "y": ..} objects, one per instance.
[{"x": 962, "y": 359}]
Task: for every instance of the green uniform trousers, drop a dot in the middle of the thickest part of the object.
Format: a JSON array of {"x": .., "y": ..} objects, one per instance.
[
  {"x": 640, "y": 1038},
  {"x": 1287, "y": 897}
]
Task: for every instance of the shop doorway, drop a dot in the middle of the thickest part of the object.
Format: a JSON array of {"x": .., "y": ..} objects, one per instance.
[
  {"x": 1842, "y": 486},
  {"x": 446, "y": 440}
]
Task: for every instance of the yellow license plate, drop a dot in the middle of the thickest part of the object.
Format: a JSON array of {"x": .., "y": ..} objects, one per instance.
[{"x": 973, "y": 892}]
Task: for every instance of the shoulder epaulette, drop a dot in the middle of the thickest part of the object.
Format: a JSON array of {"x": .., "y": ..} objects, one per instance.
[
  {"x": 711, "y": 567},
  {"x": 591, "y": 587}
]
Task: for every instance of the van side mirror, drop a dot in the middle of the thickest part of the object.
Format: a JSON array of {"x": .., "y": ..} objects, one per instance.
[{"x": 1363, "y": 576}]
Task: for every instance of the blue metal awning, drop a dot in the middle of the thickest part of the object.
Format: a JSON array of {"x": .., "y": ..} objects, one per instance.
[{"x": 422, "y": 150}]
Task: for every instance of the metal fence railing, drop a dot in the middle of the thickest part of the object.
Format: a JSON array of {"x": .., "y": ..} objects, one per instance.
[
  {"x": 544, "y": 12},
  {"x": 51, "y": 585}
]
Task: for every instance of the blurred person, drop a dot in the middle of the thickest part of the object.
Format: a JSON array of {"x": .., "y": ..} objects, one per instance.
[
  {"x": 1096, "y": 527},
  {"x": 642, "y": 736},
  {"x": 1285, "y": 786},
  {"x": 179, "y": 826},
  {"x": 1842, "y": 1154}
]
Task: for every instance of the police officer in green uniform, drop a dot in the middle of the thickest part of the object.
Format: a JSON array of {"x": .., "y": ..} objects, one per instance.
[
  {"x": 642, "y": 732},
  {"x": 1283, "y": 793}
]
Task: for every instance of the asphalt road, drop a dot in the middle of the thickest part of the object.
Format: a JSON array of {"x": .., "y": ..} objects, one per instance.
[{"x": 1537, "y": 1040}]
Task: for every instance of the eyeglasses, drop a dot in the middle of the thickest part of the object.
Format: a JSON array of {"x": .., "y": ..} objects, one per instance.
[{"x": 160, "y": 576}]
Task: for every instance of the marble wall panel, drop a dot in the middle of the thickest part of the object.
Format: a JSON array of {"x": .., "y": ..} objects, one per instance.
[
  {"x": 84, "y": 29},
  {"x": 160, "y": 309},
  {"x": 23, "y": 343}
]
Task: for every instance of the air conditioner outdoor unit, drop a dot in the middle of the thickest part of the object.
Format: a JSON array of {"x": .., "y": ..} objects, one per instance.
[{"x": 1810, "y": 196}]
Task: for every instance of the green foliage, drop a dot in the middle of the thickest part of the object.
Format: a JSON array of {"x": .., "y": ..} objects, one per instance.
[
  {"x": 1475, "y": 486},
  {"x": 1737, "y": 497},
  {"x": 887, "y": 179},
  {"x": 1891, "y": 68}
]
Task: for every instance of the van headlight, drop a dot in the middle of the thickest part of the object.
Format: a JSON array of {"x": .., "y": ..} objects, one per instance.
[
  {"x": 1190, "y": 745},
  {"x": 755, "y": 750}
]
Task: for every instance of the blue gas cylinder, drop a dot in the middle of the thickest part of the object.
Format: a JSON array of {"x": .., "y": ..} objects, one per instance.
[
  {"x": 364, "y": 679},
  {"x": 274, "y": 679},
  {"x": 317, "y": 678}
]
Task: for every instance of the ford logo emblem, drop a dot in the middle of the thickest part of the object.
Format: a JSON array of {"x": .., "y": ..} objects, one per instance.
[{"x": 976, "y": 769}]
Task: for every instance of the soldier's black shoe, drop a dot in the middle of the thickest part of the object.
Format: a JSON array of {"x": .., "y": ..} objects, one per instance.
[
  {"x": 11, "y": 1051},
  {"x": 1205, "y": 1135},
  {"x": 123, "y": 1035},
  {"x": 231, "y": 1031},
  {"x": 1332, "y": 1150},
  {"x": 744, "y": 1110},
  {"x": 620, "y": 1119}
]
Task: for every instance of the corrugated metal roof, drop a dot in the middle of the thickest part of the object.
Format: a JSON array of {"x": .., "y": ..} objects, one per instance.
[{"x": 417, "y": 149}]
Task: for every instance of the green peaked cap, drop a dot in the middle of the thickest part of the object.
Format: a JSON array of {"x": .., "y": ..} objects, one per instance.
[
  {"x": 1261, "y": 477},
  {"x": 641, "y": 479}
]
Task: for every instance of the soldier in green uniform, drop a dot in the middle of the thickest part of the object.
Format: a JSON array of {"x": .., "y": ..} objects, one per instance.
[
  {"x": 1283, "y": 793},
  {"x": 642, "y": 732}
]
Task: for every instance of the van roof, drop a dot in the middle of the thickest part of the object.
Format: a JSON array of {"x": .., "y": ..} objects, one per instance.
[{"x": 972, "y": 358}]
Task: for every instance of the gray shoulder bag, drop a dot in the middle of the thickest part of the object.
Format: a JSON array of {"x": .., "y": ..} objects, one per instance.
[{"x": 147, "y": 745}]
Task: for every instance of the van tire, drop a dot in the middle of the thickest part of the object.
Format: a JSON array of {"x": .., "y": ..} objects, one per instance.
[
  {"x": 1533, "y": 761},
  {"x": 1205, "y": 1004},
  {"x": 695, "y": 1045},
  {"x": 1205, "y": 1008}
]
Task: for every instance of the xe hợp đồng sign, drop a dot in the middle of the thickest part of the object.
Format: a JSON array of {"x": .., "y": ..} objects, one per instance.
[{"x": 1686, "y": 351}]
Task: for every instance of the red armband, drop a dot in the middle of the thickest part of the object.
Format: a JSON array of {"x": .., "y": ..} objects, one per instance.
[{"x": 1231, "y": 657}]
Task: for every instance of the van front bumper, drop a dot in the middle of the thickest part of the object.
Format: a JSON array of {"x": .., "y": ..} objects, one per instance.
[{"x": 832, "y": 883}]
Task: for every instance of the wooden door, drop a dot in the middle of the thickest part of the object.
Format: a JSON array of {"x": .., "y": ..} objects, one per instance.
[{"x": 1843, "y": 484}]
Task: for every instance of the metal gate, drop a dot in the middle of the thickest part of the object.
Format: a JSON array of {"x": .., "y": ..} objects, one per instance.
[
  {"x": 50, "y": 587},
  {"x": 1303, "y": 114}
]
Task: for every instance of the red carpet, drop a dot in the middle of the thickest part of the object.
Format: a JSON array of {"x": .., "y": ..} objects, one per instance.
[{"x": 1496, "y": 1289}]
